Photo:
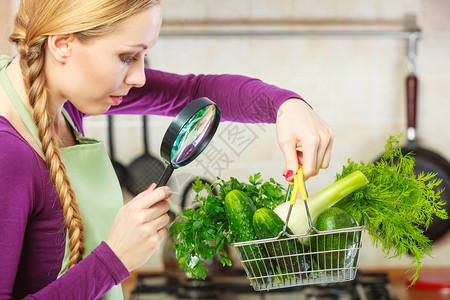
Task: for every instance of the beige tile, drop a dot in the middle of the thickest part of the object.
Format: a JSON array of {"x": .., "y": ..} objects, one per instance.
[
  {"x": 179, "y": 10},
  {"x": 435, "y": 15},
  {"x": 314, "y": 9},
  {"x": 269, "y": 9},
  {"x": 231, "y": 9},
  {"x": 274, "y": 59},
  {"x": 390, "y": 98},
  {"x": 228, "y": 56},
  {"x": 180, "y": 55},
  {"x": 357, "y": 9},
  {"x": 355, "y": 99},
  {"x": 433, "y": 56},
  {"x": 433, "y": 99},
  {"x": 355, "y": 140},
  {"x": 6, "y": 26},
  {"x": 397, "y": 10},
  {"x": 434, "y": 136},
  {"x": 389, "y": 57}
]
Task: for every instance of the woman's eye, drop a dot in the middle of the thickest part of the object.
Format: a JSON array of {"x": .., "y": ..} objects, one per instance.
[{"x": 128, "y": 59}]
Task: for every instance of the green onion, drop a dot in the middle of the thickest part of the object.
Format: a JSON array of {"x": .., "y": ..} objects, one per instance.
[{"x": 320, "y": 201}]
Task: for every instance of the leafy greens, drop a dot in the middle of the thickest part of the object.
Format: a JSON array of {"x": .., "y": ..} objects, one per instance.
[
  {"x": 395, "y": 202},
  {"x": 201, "y": 233}
]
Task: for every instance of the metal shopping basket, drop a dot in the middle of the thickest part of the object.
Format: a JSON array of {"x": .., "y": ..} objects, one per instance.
[{"x": 316, "y": 257}]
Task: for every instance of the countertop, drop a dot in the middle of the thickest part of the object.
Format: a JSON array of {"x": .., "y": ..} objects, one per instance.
[{"x": 398, "y": 279}]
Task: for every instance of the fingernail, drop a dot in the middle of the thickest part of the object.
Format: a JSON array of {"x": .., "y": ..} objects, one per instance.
[
  {"x": 151, "y": 185},
  {"x": 284, "y": 174},
  {"x": 289, "y": 173}
]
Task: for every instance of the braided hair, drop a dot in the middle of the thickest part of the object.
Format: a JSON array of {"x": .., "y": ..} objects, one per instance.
[{"x": 34, "y": 22}]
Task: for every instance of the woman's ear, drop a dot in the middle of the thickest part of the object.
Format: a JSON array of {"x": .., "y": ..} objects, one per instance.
[{"x": 60, "y": 46}]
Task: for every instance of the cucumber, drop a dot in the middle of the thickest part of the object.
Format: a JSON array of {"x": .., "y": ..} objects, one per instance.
[
  {"x": 338, "y": 257},
  {"x": 239, "y": 209},
  {"x": 268, "y": 224}
]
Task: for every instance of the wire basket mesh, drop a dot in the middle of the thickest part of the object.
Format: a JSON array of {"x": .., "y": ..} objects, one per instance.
[{"x": 316, "y": 257}]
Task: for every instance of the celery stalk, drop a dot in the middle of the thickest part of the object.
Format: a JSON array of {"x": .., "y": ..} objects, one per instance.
[{"x": 320, "y": 201}]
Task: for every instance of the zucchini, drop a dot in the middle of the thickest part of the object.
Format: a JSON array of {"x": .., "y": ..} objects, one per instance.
[
  {"x": 331, "y": 248},
  {"x": 239, "y": 209},
  {"x": 287, "y": 254}
]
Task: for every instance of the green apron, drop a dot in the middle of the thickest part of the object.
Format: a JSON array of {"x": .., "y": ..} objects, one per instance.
[{"x": 91, "y": 175}]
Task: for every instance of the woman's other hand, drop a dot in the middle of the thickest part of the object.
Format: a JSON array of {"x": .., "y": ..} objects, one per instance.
[
  {"x": 138, "y": 228},
  {"x": 299, "y": 126}
]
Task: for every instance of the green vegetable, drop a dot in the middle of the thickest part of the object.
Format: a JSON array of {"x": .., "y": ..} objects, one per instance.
[
  {"x": 320, "y": 201},
  {"x": 263, "y": 194},
  {"x": 395, "y": 203},
  {"x": 268, "y": 224},
  {"x": 392, "y": 206},
  {"x": 240, "y": 209},
  {"x": 201, "y": 233},
  {"x": 204, "y": 232},
  {"x": 335, "y": 245}
]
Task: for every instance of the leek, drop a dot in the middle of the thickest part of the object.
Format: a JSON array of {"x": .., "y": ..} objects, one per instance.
[{"x": 320, "y": 201}]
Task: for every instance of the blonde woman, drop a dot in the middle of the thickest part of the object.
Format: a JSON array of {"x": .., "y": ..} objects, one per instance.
[{"x": 64, "y": 231}]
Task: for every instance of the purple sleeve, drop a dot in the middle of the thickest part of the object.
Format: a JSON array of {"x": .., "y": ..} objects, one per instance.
[
  {"x": 240, "y": 98},
  {"x": 16, "y": 184},
  {"x": 25, "y": 218},
  {"x": 94, "y": 276}
]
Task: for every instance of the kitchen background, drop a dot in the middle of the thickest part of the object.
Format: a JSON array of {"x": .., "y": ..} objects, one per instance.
[{"x": 357, "y": 84}]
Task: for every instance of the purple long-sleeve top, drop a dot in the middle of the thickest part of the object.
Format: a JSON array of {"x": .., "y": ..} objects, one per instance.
[{"x": 32, "y": 230}]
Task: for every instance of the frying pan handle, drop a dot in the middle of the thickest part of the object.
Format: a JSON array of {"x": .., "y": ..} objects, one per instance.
[
  {"x": 110, "y": 137},
  {"x": 411, "y": 102},
  {"x": 145, "y": 133}
]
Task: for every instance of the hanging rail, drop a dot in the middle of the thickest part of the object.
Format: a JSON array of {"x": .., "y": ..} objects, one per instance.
[{"x": 267, "y": 28}]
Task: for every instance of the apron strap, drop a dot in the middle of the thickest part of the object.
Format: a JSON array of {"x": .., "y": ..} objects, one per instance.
[
  {"x": 78, "y": 135},
  {"x": 18, "y": 104},
  {"x": 15, "y": 99}
]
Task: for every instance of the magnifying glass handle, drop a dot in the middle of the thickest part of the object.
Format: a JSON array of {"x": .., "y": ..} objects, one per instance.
[{"x": 165, "y": 176}]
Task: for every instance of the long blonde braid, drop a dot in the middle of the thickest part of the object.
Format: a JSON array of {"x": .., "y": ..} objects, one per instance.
[
  {"x": 35, "y": 21},
  {"x": 34, "y": 78}
]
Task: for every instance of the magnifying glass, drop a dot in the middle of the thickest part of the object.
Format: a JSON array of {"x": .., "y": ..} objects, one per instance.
[{"x": 188, "y": 135}]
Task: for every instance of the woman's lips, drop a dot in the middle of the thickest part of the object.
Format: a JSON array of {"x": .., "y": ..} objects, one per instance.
[{"x": 116, "y": 99}]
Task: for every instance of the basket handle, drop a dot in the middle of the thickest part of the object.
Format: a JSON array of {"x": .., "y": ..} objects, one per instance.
[
  {"x": 299, "y": 184},
  {"x": 304, "y": 195}
]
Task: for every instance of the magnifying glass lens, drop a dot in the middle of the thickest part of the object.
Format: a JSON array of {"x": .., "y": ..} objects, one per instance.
[
  {"x": 188, "y": 135},
  {"x": 192, "y": 135}
]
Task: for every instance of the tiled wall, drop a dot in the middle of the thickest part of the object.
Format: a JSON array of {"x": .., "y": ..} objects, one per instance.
[
  {"x": 5, "y": 25},
  {"x": 356, "y": 84}
]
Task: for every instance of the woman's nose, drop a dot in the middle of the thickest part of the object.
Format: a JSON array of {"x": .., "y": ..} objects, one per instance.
[{"x": 136, "y": 75}]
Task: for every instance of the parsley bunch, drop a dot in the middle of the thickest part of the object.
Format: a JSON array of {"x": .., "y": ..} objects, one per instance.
[{"x": 201, "y": 233}]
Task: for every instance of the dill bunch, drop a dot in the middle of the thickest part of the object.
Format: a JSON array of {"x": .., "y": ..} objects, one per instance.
[{"x": 395, "y": 203}]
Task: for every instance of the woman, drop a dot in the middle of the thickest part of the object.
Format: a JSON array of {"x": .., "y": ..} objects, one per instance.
[{"x": 64, "y": 231}]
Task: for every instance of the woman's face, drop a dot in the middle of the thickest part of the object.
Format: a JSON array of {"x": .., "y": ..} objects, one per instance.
[{"x": 99, "y": 71}]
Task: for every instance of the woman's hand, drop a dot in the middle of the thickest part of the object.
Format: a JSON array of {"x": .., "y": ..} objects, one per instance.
[
  {"x": 138, "y": 228},
  {"x": 299, "y": 126}
]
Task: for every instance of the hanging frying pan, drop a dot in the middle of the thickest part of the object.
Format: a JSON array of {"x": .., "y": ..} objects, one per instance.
[
  {"x": 427, "y": 161},
  {"x": 144, "y": 170},
  {"x": 120, "y": 169}
]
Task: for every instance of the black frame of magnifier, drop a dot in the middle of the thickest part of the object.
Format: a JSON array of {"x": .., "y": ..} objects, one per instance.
[{"x": 174, "y": 130}]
